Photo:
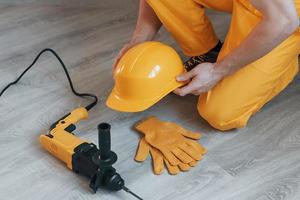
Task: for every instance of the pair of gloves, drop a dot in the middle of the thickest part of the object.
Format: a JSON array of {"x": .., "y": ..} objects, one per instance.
[{"x": 169, "y": 144}]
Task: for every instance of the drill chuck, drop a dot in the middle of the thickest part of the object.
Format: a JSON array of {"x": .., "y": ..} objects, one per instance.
[{"x": 115, "y": 182}]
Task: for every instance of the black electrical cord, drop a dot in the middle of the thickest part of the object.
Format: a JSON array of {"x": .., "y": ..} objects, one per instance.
[{"x": 88, "y": 107}]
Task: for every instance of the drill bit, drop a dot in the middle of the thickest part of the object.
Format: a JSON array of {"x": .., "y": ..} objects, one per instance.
[{"x": 130, "y": 192}]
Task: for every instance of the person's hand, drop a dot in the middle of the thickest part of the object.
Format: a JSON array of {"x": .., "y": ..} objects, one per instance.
[
  {"x": 125, "y": 48},
  {"x": 201, "y": 79}
]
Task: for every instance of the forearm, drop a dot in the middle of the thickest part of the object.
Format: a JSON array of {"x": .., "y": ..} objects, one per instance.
[
  {"x": 147, "y": 25},
  {"x": 279, "y": 21},
  {"x": 265, "y": 37}
]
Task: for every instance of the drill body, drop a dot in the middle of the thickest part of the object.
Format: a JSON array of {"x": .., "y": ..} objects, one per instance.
[{"x": 60, "y": 141}]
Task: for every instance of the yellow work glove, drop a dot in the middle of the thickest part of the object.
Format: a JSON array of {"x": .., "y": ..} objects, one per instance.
[
  {"x": 158, "y": 160},
  {"x": 172, "y": 141}
]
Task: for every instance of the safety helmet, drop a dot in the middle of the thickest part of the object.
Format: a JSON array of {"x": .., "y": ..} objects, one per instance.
[{"x": 144, "y": 75}]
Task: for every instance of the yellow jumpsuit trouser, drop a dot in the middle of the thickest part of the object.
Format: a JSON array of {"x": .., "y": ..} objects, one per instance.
[{"x": 237, "y": 97}]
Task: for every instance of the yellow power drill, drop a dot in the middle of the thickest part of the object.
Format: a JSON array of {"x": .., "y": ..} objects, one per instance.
[{"x": 81, "y": 156}]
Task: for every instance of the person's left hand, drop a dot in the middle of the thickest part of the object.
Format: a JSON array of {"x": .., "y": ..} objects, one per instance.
[{"x": 202, "y": 78}]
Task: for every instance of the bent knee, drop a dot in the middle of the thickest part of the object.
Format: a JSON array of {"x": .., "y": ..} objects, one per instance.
[{"x": 221, "y": 116}]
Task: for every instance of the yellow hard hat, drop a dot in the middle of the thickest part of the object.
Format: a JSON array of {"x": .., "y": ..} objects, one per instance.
[{"x": 144, "y": 75}]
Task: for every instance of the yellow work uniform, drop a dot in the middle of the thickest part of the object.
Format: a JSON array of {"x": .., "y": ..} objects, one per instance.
[{"x": 237, "y": 97}]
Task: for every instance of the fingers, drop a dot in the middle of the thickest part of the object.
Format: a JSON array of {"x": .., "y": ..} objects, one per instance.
[
  {"x": 184, "y": 132},
  {"x": 157, "y": 161},
  {"x": 142, "y": 151},
  {"x": 194, "y": 153},
  {"x": 186, "y": 76},
  {"x": 191, "y": 88},
  {"x": 188, "y": 89},
  {"x": 120, "y": 54},
  {"x": 182, "y": 156},
  {"x": 117, "y": 58},
  {"x": 184, "y": 167},
  {"x": 197, "y": 146},
  {"x": 170, "y": 157},
  {"x": 172, "y": 169},
  {"x": 193, "y": 164},
  {"x": 198, "y": 92},
  {"x": 203, "y": 78},
  {"x": 116, "y": 61},
  {"x": 191, "y": 135}
]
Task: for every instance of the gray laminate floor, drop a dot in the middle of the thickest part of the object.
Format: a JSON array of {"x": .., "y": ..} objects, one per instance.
[{"x": 259, "y": 162}]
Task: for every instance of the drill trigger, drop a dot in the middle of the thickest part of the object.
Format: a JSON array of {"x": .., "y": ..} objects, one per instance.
[
  {"x": 70, "y": 128},
  {"x": 55, "y": 123}
]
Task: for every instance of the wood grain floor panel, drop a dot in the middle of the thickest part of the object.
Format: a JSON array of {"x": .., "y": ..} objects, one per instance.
[{"x": 260, "y": 161}]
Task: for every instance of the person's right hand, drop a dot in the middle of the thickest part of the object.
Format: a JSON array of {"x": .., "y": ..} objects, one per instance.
[{"x": 125, "y": 48}]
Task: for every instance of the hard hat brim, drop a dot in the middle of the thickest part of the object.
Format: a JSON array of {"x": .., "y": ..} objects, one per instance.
[{"x": 117, "y": 103}]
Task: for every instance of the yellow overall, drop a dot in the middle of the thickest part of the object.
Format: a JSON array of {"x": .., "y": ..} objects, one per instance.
[{"x": 237, "y": 97}]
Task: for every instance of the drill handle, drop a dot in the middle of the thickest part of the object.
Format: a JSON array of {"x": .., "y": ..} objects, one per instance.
[
  {"x": 68, "y": 121},
  {"x": 105, "y": 158},
  {"x": 104, "y": 140}
]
